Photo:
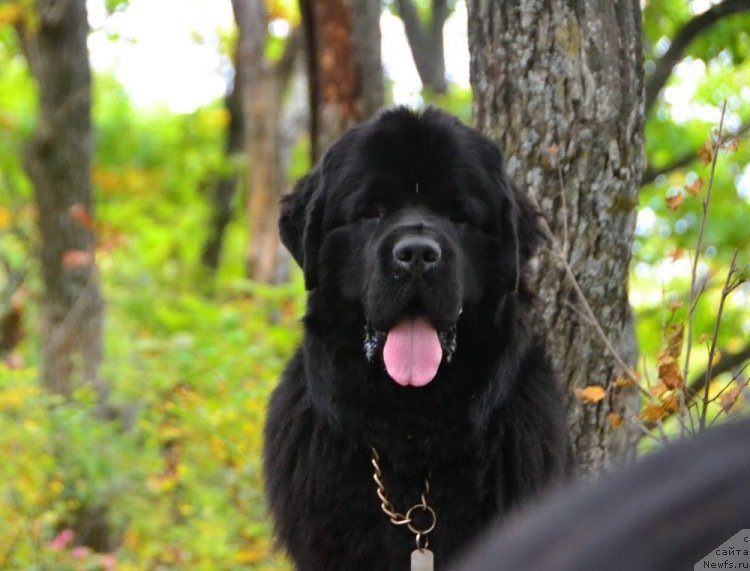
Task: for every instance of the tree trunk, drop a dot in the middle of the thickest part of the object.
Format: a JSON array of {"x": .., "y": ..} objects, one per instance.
[
  {"x": 58, "y": 161},
  {"x": 265, "y": 180},
  {"x": 263, "y": 86},
  {"x": 426, "y": 45},
  {"x": 344, "y": 66},
  {"x": 559, "y": 85},
  {"x": 226, "y": 186}
]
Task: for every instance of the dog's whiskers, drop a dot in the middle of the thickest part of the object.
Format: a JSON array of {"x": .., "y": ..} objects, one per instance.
[
  {"x": 371, "y": 342},
  {"x": 449, "y": 342}
]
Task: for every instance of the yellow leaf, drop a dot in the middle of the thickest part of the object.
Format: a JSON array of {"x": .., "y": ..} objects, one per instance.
[
  {"x": 731, "y": 144},
  {"x": 674, "y": 202},
  {"x": 7, "y": 122},
  {"x": 652, "y": 413},
  {"x": 186, "y": 510},
  {"x": 13, "y": 398},
  {"x": 730, "y": 397},
  {"x": 669, "y": 372},
  {"x": 5, "y": 218},
  {"x": 704, "y": 338},
  {"x": 671, "y": 403},
  {"x": 695, "y": 186},
  {"x": 591, "y": 394},
  {"x": 674, "y": 343},
  {"x": 706, "y": 152},
  {"x": 215, "y": 119},
  {"x": 657, "y": 390},
  {"x": 105, "y": 180},
  {"x": 284, "y": 10},
  {"x": 10, "y": 14},
  {"x": 56, "y": 486},
  {"x": 255, "y": 553},
  {"x": 623, "y": 383}
]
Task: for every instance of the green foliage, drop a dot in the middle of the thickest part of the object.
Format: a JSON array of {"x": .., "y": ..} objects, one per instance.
[
  {"x": 177, "y": 468},
  {"x": 179, "y": 474},
  {"x": 663, "y": 18},
  {"x": 457, "y": 101},
  {"x": 729, "y": 35},
  {"x": 17, "y": 104},
  {"x": 115, "y": 5},
  {"x": 716, "y": 70}
]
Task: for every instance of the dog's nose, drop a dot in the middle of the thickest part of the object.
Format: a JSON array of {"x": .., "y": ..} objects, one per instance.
[{"x": 416, "y": 253}]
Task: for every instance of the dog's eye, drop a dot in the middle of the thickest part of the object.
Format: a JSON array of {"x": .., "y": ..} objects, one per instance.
[
  {"x": 458, "y": 216},
  {"x": 373, "y": 212}
]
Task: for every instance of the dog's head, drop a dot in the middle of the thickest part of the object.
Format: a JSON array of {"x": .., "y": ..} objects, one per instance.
[{"x": 407, "y": 222}]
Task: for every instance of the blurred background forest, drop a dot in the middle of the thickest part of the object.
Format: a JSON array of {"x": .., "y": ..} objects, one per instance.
[{"x": 152, "y": 462}]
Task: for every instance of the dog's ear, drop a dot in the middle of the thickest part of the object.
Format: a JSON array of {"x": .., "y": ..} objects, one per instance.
[
  {"x": 520, "y": 223},
  {"x": 521, "y": 229},
  {"x": 525, "y": 218},
  {"x": 519, "y": 219},
  {"x": 300, "y": 225}
]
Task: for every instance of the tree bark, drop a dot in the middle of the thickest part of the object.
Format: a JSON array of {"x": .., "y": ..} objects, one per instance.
[
  {"x": 559, "y": 85},
  {"x": 345, "y": 72},
  {"x": 58, "y": 161}
]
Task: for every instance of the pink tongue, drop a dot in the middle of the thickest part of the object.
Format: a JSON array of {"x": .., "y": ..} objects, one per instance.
[{"x": 412, "y": 352}]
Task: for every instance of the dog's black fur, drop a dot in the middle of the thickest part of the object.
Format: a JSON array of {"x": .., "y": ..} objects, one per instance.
[
  {"x": 489, "y": 430},
  {"x": 667, "y": 512}
]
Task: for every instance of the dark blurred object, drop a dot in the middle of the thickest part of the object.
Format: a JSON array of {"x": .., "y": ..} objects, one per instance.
[
  {"x": 666, "y": 512},
  {"x": 11, "y": 325}
]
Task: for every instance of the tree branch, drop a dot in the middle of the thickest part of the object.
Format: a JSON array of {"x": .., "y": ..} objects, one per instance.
[
  {"x": 726, "y": 363},
  {"x": 250, "y": 16},
  {"x": 695, "y": 295},
  {"x": 415, "y": 33},
  {"x": 726, "y": 290},
  {"x": 682, "y": 39},
  {"x": 651, "y": 174}
]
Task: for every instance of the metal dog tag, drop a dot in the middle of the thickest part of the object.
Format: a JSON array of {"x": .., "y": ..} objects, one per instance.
[{"x": 422, "y": 560}]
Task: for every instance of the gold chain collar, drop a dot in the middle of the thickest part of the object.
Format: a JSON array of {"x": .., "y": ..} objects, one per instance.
[{"x": 398, "y": 518}]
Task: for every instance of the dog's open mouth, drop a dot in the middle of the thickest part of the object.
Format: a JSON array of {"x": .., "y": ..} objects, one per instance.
[{"x": 412, "y": 350}]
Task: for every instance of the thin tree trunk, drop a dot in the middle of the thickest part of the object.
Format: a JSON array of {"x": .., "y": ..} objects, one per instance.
[
  {"x": 559, "y": 85},
  {"x": 263, "y": 86},
  {"x": 265, "y": 180},
  {"x": 426, "y": 42},
  {"x": 344, "y": 66},
  {"x": 294, "y": 123},
  {"x": 226, "y": 185},
  {"x": 58, "y": 161}
]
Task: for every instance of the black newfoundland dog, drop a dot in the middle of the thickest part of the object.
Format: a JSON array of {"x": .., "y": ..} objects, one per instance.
[{"x": 418, "y": 364}]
